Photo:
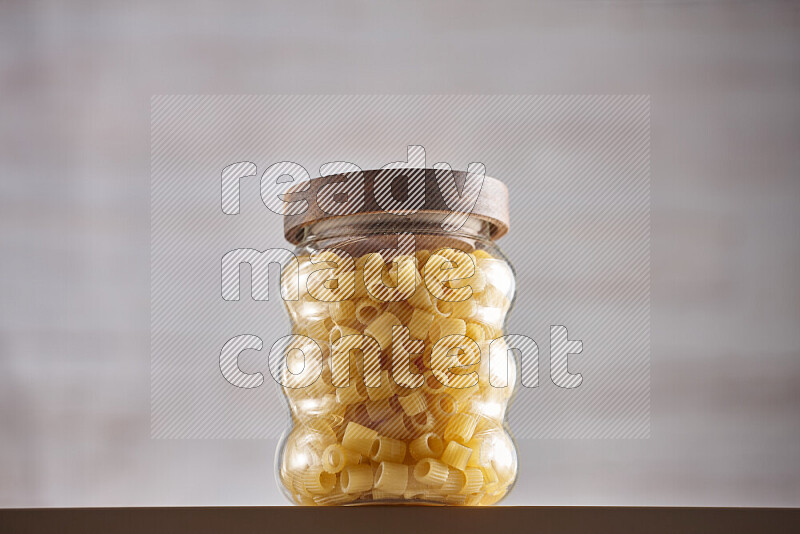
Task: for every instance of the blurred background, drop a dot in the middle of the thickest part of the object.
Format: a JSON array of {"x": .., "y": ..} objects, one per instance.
[{"x": 77, "y": 78}]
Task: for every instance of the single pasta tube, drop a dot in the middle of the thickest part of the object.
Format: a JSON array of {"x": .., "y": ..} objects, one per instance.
[
  {"x": 461, "y": 427},
  {"x": 317, "y": 481},
  {"x": 428, "y": 445},
  {"x": 367, "y": 310},
  {"x": 455, "y": 481},
  {"x": 335, "y": 458},
  {"x": 381, "y": 329},
  {"x": 342, "y": 312},
  {"x": 339, "y": 331},
  {"x": 473, "y": 480},
  {"x": 431, "y": 472},
  {"x": 413, "y": 403},
  {"x": 352, "y": 394},
  {"x": 456, "y": 455},
  {"x": 356, "y": 478},
  {"x": 358, "y": 438},
  {"x": 418, "y": 424},
  {"x": 391, "y": 477},
  {"x": 387, "y": 450},
  {"x": 443, "y": 406},
  {"x": 476, "y": 332}
]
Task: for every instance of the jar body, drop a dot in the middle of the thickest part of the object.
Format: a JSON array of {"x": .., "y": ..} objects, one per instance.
[{"x": 402, "y": 336}]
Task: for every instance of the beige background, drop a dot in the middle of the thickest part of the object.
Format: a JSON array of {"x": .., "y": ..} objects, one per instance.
[{"x": 76, "y": 81}]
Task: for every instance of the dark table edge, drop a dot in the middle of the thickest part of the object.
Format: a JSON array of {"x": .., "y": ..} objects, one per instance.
[{"x": 379, "y": 519}]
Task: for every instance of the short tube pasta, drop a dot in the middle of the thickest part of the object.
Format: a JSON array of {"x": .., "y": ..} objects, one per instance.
[
  {"x": 456, "y": 455},
  {"x": 461, "y": 427},
  {"x": 413, "y": 403},
  {"x": 391, "y": 477},
  {"x": 356, "y": 478},
  {"x": 388, "y": 450},
  {"x": 359, "y": 438},
  {"x": 335, "y": 458},
  {"x": 385, "y": 437},
  {"x": 431, "y": 472},
  {"x": 318, "y": 482},
  {"x": 428, "y": 445}
]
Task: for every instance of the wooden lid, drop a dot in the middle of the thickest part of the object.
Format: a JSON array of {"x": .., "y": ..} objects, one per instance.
[{"x": 491, "y": 205}]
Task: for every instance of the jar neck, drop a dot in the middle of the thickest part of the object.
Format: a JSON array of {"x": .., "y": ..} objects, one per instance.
[{"x": 364, "y": 225}]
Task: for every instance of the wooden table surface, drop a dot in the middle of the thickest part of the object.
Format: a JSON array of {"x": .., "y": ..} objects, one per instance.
[{"x": 379, "y": 519}]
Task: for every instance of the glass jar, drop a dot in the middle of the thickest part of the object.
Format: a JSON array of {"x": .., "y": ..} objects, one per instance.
[{"x": 399, "y": 320}]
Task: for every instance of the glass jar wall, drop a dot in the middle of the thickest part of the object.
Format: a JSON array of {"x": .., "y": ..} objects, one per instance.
[{"x": 401, "y": 322}]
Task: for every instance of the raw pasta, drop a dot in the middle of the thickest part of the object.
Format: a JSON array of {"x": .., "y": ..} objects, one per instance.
[{"x": 411, "y": 423}]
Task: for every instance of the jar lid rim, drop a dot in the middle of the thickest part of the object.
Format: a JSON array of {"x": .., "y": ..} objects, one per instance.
[{"x": 490, "y": 206}]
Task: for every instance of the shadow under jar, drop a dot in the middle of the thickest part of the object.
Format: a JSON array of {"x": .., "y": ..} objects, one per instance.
[{"x": 399, "y": 322}]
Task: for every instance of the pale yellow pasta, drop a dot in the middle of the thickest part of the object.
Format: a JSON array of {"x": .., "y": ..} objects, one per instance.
[
  {"x": 342, "y": 312},
  {"x": 335, "y": 498},
  {"x": 381, "y": 329},
  {"x": 454, "y": 483},
  {"x": 384, "y": 390},
  {"x": 329, "y": 283},
  {"x": 352, "y": 394},
  {"x": 356, "y": 478},
  {"x": 420, "y": 299},
  {"x": 442, "y": 308},
  {"x": 473, "y": 480},
  {"x": 379, "y": 410},
  {"x": 413, "y": 403},
  {"x": 401, "y": 310},
  {"x": 491, "y": 498},
  {"x": 463, "y": 388},
  {"x": 335, "y": 458},
  {"x": 339, "y": 331},
  {"x": 431, "y": 472},
  {"x": 443, "y": 406},
  {"x": 456, "y": 455},
  {"x": 414, "y": 488},
  {"x": 391, "y": 477},
  {"x": 428, "y": 445},
  {"x": 418, "y": 424},
  {"x": 474, "y": 499},
  {"x": 317, "y": 481},
  {"x": 367, "y": 310},
  {"x": 464, "y": 309},
  {"x": 396, "y": 426},
  {"x": 439, "y": 271},
  {"x": 490, "y": 479},
  {"x": 431, "y": 386},
  {"x": 446, "y": 327},
  {"x": 420, "y": 324},
  {"x": 477, "y": 459},
  {"x": 461, "y": 427},
  {"x": 396, "y": 283},
  {"x": 476, "y": 333},
  {"x": 455, "y": 499},
  {"x": 417, "y": 420},
  {"x": 320, "y": 330},
  {"x": 476, "y": 282},
  {"x": 358, "y": 438},
  {"x": 386, "y": 449}
]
